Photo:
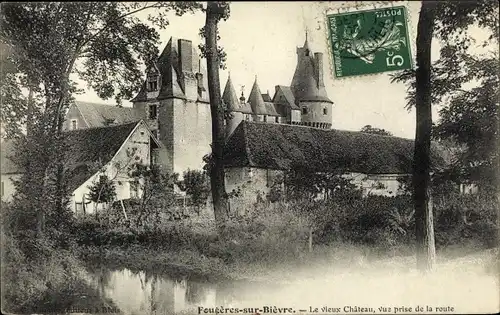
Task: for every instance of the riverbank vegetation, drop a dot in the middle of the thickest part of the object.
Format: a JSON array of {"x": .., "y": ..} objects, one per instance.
[{"x": 346, "y": 231}]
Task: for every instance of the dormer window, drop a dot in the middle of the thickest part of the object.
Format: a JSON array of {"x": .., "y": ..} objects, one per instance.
[
  {"x": 153, "y": 76},
  {"x": 152, "y": 83},
  {"x": 325, "y": 111},
  {"x": 304, "y": 110}
]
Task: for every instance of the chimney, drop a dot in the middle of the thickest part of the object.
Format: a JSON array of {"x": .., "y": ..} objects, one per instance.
[
  {"x": 319, "y": 69},
  {"x": 185, "y": 55}
]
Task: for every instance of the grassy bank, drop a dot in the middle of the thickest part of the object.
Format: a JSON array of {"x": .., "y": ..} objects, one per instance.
[
  {"x": 272, "y": 237},
  {"x": 275, "y": 242}
]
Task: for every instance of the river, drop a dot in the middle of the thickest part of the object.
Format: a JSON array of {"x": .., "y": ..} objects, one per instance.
[{"x": 459, "y": 286}]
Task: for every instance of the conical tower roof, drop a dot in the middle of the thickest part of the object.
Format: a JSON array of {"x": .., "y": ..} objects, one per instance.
[
  {"x": 256, "y": 101},
  {"x": 305, "y": 83},
  {"x": 229, "y": 96}
]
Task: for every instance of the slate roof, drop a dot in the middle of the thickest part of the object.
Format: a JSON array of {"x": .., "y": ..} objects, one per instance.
[
  {"x": 287, "y": 93},
  {"x": 271, "y": 109},
  {"x": 266, "y": 97},
  {"x": 96, "y": 115},
  {"x": 283, "y": 147},
  {"x": 86, "y": 149},
  {"x": 256, "y": 101},
  {"x": 229, "y": 96},
  {"x": 305, "y": 83},
  {"x": 171, "y": 85}
]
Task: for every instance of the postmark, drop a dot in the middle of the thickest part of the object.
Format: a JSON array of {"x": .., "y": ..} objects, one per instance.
[{"x": 369, "y": 41}]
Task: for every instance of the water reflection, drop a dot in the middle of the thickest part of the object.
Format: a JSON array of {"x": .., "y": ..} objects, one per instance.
[{"x": 140, "y": 293}]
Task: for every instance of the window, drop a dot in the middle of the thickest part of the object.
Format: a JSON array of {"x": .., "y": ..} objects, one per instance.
[
  {"x": 74, "y": 124},
  {"x": 325, "y": 111},
  {"x": 79, "y": 207},
  {"x": 152, "y": 83},
  {"x": 154, "y": 157},
  {"x": 265, "y": 118},
  {"x": 304, "y": 110},
  {"x": 277, "y": 120},
  {"x": 153, "y": 113}
]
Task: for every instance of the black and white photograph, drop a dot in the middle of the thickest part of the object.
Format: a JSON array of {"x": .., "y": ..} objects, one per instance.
[{"x": 250, "y": 157}]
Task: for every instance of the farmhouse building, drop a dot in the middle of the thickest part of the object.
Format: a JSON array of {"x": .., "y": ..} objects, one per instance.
[{"x": 92, "y": 153}]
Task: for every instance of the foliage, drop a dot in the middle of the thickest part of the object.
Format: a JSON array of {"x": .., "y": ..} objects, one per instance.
[
  {"x": 304, "y": 185},
  {"x": 86, "y": 39},
  {"x": 223, "y": 13},
  {"x": 465, "y": 85},
  {"x": 374, "y": 130},
  {"x": 156, "y": 191},
  {"x": 103, "y": 190},
  {"x": 467, "y": 220},
  {"x": 196, "y": 184}
]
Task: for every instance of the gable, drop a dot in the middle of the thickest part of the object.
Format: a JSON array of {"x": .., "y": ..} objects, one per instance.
[
  {"x": 284, "y": 96},
  {"x": 284, "y": 147},
  {"x": 87, "y": 149}
]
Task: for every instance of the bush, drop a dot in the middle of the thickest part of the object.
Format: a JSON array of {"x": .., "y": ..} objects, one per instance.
[{"x": 467, "y": 219}]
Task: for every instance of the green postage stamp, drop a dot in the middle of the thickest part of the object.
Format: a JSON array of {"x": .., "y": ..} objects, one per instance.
[{"x": 370, "y": 41}]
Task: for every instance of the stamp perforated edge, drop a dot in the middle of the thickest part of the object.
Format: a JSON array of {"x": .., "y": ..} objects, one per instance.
[{"x": 353, "y": 6}]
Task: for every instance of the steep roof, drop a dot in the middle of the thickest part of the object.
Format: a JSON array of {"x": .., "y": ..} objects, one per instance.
[
  {"x": 282, "y": 147},
  {"x": 87, "y": 148},
  {"x": 172, "y": 74},
  {"x": 266, "y": 97},
  {"x": 97, "y": 115},
  {"x": 229, "y": 96},
  {"x": 306, "y": 83},
  {"x": 271, "y": 109},
  {"x": 256, "y": 101},
  {"x": 287, "y": 94}
]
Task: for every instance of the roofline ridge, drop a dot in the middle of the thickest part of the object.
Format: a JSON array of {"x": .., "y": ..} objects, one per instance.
[{"x": 99, "y": 127}]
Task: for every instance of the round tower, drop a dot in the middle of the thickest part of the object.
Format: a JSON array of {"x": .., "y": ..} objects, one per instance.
[{"x": 308, "y": 88}]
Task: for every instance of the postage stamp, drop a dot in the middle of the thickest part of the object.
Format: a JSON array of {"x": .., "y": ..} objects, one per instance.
[{"x": 369, "y": 41}]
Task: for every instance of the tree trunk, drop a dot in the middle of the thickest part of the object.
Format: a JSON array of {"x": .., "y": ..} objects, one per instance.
[
  {"x": 424, "y": 228},
  {"x": 217, "y": 110},
  {"x": 310, "y": 243}
]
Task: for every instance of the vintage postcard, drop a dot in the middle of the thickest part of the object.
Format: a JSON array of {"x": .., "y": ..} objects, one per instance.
[{"x": 250, "y": 157}]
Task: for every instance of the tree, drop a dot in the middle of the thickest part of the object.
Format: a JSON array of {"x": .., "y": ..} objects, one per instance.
[
  {"x": 103, "y": 43},
  {"x": 424, "y": 228},
  {"x": 155, "y": 192},
  {"x": 465, "y": 84},
  {"x": 374, "y": 130},
  {"x": 103, "y": 190},
  {"x": 465, "y": 111},
  {"x": 196, "y": 185},
  {"x": 216, "y": 11}
]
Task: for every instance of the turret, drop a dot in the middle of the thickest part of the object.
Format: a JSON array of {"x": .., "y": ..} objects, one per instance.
[
  {"x": 230, "y": 98},
  {"x": 309, "y": 91},
  {"x": 257, "y": 102}
]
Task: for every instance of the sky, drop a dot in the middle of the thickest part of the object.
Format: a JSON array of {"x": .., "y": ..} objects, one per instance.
[{"x": 260, "y": 39}]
